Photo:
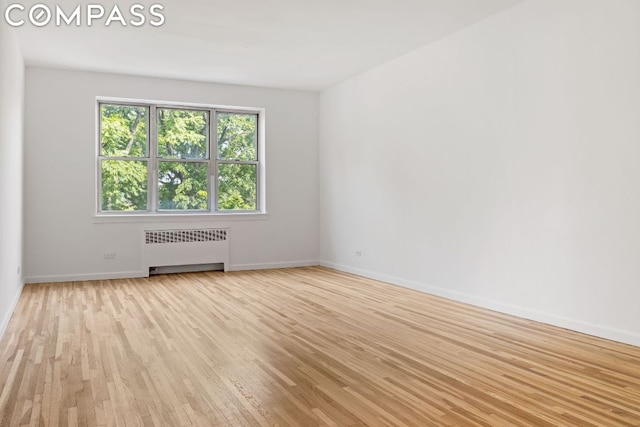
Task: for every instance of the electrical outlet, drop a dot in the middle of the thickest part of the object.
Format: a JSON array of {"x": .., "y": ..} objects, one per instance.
[
  {"x": 358, "y": 253},
  {"x": 109, "y": 255}
]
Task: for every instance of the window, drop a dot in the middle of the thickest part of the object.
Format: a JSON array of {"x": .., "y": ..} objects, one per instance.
[{"x": 173, "y": 159}]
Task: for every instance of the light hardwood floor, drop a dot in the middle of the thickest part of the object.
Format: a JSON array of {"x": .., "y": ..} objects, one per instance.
[{"x": 297, "y": 347}]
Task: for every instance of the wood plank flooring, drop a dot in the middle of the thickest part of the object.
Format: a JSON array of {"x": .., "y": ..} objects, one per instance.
[{"x": 297, "y": 347}]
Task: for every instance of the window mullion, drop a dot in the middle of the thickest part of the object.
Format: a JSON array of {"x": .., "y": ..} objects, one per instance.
[
  {"x": 214, "y": 160},
  {"x": 153, "y": 159},
  {"x": 238, "y": 162}
]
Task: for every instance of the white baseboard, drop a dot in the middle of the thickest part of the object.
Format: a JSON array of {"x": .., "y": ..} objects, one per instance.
[
  {"x": 137, "y": 274},
  {"x": 12, "y": 308},
  {"x": 86, "y": 277},
  {"x": 273, "y": 265},
  {"x": 613, "y": 334}
]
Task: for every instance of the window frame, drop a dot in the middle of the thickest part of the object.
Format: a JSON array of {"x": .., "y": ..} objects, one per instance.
[{"x": 153, "y": 161}]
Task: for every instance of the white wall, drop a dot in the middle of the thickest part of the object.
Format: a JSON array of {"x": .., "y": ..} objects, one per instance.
[
  {"x": 63, "y": 242},
  {"x": 11, "y": 151},
  {"x": 498, "y": 166}
]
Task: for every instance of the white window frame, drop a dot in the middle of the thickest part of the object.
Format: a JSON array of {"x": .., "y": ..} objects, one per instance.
[{"x": 153, "y": 160}]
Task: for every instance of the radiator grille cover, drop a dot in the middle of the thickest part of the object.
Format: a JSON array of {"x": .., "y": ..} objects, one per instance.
[{"x": 153, "y": 237}]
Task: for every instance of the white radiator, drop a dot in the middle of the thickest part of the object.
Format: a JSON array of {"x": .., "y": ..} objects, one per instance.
[{"x": 167, "y": 248}]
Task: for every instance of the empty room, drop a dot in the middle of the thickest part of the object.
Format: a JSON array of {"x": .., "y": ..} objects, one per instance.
[{"x": 320, "y": 213}]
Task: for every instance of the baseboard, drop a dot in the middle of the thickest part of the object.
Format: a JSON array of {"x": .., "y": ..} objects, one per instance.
[
  {"x": 12, "y": 309},
  {"x": 273, "y": 265},
  {"x": 86, "y": 277},
  {"x": 625, "y": 337},
  {"x": 137, "y": 274}
]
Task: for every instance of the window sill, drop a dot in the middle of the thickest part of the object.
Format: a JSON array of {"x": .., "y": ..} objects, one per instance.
[{"x": 178, "y": 218}]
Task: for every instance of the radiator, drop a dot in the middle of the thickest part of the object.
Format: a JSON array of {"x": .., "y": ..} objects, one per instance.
[{"x": 167, "y": 248}]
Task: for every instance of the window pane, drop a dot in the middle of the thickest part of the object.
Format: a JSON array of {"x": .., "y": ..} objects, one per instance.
[
  {"x": 183, "y": 186},
  {"x": 123, "y": 130},
  {"x": 182, "y": 134},
  {"x": 237, "y": 188},
  {"x": 124, "y": 185},
  {"x": 237, "y": 136}
]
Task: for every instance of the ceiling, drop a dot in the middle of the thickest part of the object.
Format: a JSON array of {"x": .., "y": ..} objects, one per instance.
[{"x": 297, "y": 44}]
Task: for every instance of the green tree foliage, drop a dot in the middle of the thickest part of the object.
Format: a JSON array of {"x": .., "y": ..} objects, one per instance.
[
  {"x": 182, "y": 134},
  {"x": 123, "y": 133},
  {"x": 124, "y": 185},
  {"x": 237, "y": 141},
  {"x": 183, "y": 186}
]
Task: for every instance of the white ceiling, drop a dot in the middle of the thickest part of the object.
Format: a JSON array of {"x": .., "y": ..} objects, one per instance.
[{"x": 298, "y": 44}]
